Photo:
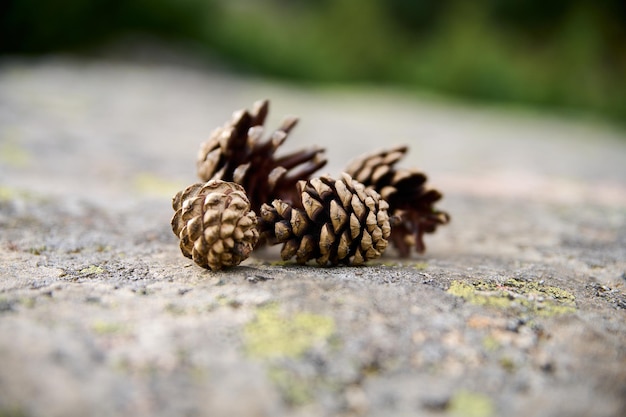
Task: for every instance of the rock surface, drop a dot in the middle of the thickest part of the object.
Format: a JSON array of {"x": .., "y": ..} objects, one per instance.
[{"x": 517, "y": 308}]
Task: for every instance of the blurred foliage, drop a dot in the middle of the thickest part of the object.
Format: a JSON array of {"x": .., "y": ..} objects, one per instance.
[{"x": 563, "y": 53}]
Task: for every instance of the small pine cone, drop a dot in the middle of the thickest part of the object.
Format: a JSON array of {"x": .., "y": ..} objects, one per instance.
[
  {"x": 334, "y": 221},
  {"x": 214, "y": 223},
  {"x": 235, "y": 152},
  {"x": 410, "y": 202}
]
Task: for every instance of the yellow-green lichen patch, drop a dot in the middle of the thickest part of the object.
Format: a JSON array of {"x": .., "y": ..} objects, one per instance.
[
  {"x": 28, "y": 302},
  {"x": 532, "y": 296},
  {"x": 102, "y": 248},
  {"x": 470, "y": 293},
  {"x": 283, "y": 263},
  {"x": 420, "y": 266},
  {"x": 92, "y": 270},
  {"x": 226, "y": 301},
  {"x": 10, "y": 194},
  {"x": 11, "y": 153},
  {"x": 37, "y": 250},
  {"x": 507, "y": 364},
  {"x": 12, "y": 410},
  {"x": 175, "y": 309},
  {"x": 273, "y": 334},
  {"x": 107, "y": 327},
  {"x": 147, "y": 183},
  {"x": 490, "y": 343},
  {"x": 471, "y": 404},
  {"x": 6, "y": 193},
  {"x": 384, "y": 263},
  {"x": 295, "y": 391}
]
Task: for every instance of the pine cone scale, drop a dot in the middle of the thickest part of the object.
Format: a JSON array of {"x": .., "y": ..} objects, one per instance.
[
  {"x": 345, "y": 196},
  {"x": 260, "y": 110},
  {"x": 312, "y": 206},
  {"x": 294, "y": 159},
  {"x": 358, "y": 208},
  {"x": 299, "y": 223},
  {"x": 338, "y": 215},
  {"x": 290, "y": 249},
  {"x": 282, "y": 231},
  {"x": 344, "y": 246},
  {"x": 305, "y": 249},
  {"x": 371, "y": 223},
  {"x": 327, "y": 239},
  {"x": 355, "y": 226}
]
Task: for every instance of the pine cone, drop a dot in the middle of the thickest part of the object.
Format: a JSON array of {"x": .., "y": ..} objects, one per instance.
[
  {"x": 235, "y": 152},
  {"x": 332, "y": 221},
  {"x": 410, "y": 202},
  {"x": 214, "y": 223}
]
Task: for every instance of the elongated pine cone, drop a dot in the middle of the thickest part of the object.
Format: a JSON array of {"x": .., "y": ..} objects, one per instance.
[
  {"x": 214, "y": 223},
  {"x": 334, "y": 221},
  {"x": 235, "y": 152},
  {"x": 410, "y": 202}
]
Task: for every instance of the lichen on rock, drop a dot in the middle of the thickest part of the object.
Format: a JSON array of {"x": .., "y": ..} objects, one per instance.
[
  {"x": 272, "y": 334},
  {"x": 531, "y": 296}
]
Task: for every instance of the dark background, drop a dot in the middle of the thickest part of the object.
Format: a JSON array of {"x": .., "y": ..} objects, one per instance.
[{"x": 568, "y": 56}]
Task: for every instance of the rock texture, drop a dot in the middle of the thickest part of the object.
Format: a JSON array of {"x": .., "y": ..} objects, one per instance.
[{"x": 518, "y": 307}]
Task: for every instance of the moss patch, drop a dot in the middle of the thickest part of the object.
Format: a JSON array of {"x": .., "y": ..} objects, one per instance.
[
  {"x": 275, "y": 335},
  {"x": 535, "y": 297}
]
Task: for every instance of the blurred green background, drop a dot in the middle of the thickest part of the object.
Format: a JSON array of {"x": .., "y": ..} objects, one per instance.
[{"x": 564, "y": 55}]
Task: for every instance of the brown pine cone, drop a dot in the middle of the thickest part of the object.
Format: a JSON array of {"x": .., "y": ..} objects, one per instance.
[
  {"x": 235, "y": 152},
  {"x": 410, "y": 202},
  {"x": 334, "y": 221},
  {"x": 214, "y": 223}
]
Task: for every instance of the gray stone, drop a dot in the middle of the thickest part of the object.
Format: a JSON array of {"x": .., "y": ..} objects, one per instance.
[{"x": 517, "y": 308}]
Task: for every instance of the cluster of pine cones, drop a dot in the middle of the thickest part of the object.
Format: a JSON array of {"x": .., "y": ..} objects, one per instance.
[{"x": 249, "y": 197}]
